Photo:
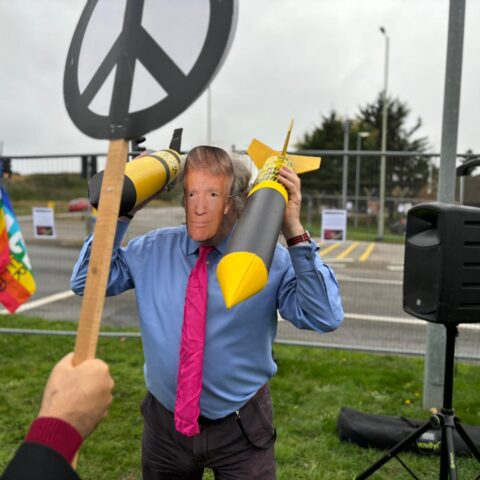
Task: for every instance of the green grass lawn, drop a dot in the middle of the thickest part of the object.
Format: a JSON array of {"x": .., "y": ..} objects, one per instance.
[{"x": 308, "y": 391}]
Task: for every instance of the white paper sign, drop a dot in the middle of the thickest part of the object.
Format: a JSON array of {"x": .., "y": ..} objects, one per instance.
[
  {"x": 43, "y": 223},
  {"x": 334, "y": 225}
]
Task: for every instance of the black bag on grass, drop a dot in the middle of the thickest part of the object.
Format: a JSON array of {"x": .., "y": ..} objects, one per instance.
[{"x": 384, "y": 432}]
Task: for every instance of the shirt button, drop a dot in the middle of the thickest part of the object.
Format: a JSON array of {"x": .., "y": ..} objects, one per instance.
[{"x": 308, "y": 256}]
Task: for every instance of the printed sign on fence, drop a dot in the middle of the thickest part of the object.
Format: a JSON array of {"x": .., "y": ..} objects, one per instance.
[
  {"x": 334, "y": 225},
  {"x": 43, "y": 223}
]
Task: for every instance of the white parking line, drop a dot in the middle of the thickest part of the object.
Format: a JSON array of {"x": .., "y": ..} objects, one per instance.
[
  {"x": 334, "y": 264},
  {"x": 376, "y": 281},
  {"x": 399, "y": 320},
  {"x": 395, "y": 268},
  {"x": 404, "y": 320},
  {"x": 382, "y": 318}
]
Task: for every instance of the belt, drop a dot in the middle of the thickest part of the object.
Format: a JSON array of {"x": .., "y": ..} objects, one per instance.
[{"x": 208, "y": 421}]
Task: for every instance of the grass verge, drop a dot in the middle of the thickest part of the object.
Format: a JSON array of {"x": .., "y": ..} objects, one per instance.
[
  {"x": 308, "y": 391},
  {"x": 364, "y": 233}
]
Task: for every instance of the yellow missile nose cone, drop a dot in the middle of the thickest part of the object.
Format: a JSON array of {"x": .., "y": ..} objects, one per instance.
[{"x": 241, "y": 275}]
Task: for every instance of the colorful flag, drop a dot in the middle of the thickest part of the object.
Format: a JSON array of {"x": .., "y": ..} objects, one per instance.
[
  {"x": 4, "y": 248},
  {"x": 17, "y": 284}
]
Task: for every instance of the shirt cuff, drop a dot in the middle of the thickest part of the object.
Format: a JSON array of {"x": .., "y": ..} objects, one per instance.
[
  {"x": 304, "y": 257},
  {"x": 57, "y": 435}
]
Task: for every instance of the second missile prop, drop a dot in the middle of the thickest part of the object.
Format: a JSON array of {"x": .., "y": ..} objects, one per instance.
[
  {"x": 145, "y": 176},
  {"x": 243, "y": 271}
]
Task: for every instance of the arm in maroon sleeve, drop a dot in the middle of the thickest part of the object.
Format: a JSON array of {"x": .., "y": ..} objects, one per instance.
[
  {"x": 57, "y": 435},
  {"x": 47, "y": 452}
]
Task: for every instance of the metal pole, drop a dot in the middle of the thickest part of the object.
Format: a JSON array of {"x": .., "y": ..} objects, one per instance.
[
  {"x": 1, "y": 169},
  {"x": 209, "y": 116},
  {"x": 430, "y": 177},
  {"x": 309, "y": 211},
  {"x": 357, "y": 178},
  {"x": 346, "y": 131},
  {"x": 360, "y": 135},
  {"x": 383, "y": 160},
  {"x": 435, "y": 349}
]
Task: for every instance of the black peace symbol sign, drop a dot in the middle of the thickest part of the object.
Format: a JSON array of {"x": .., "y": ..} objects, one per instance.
[{"x": 133, "y": 43}]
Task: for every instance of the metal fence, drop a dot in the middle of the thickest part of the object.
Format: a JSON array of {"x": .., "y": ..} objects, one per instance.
[{"x": 370, "y": 272}]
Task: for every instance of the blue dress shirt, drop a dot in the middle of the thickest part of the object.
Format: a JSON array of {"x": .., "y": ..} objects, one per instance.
[{"x": 238, "y": 343}]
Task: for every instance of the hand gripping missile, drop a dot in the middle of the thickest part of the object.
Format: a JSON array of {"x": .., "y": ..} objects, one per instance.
[
  {"x": 243, "y": 271},
  {"x": 145, "y": 176}
]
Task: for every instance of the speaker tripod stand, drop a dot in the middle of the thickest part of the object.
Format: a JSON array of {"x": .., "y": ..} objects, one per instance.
[{"x": 445, "y": 419}]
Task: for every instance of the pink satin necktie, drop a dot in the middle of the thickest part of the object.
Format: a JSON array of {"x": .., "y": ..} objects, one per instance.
[{"x": 187, "y": 404}]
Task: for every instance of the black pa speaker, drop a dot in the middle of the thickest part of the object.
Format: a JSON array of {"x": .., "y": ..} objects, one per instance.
[{"x": 441, "y": 279}]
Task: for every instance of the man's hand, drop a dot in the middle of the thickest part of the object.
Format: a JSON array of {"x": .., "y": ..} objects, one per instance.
[
  {"x": 291, "y": 226},
  {"x": 78, "y": 395}
]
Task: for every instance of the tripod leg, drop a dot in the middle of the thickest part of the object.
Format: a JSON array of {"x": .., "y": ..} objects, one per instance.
[
  {"x": 443, "y": 455},
  {"x": 448, "y": 463},
  {"x": 400, "y": 446},
  {"x": 467, "y": 439}
]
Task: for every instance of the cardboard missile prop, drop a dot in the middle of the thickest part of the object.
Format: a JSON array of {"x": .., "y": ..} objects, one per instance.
[
  {"x": 243, "y": 271},
  {"x": 145, "y": 176}
]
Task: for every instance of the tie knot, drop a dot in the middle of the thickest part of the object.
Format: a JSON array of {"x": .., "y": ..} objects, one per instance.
[{"x": 205, "y": 250}]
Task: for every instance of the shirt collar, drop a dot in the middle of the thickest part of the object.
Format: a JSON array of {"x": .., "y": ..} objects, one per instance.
[{"x": 192, "y": 246}]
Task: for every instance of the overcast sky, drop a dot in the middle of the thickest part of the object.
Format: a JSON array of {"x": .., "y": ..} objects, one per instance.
[{"x": 289, "y": 58}]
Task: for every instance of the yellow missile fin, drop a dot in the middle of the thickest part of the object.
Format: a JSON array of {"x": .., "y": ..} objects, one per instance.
[
  {"x": 241, "y": 275},
  {"x": 287, "y": 139},
  {"x": 302, "y": 163},
  {"x": 259, "y": 153}
]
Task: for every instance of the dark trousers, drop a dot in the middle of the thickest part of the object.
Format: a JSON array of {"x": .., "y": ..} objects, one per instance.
[{"x": 237, "y": 447}]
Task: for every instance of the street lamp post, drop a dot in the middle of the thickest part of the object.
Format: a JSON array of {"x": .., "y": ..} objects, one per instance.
[
  {"x": 383, "y": 161},
  {"x": 346, "y": 134},
  {"x": 209, "y": 115},
  {"x": 360, "y": 135}
]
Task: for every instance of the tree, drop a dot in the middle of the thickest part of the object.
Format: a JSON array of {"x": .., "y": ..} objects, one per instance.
[
  {"x": 404, "y": 174},
  {"x": 329, "y": 136},
  {"x": 408, "y": 174}
]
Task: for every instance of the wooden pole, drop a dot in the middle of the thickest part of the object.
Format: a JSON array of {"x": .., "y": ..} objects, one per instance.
[{"x": 101, "y": 254}]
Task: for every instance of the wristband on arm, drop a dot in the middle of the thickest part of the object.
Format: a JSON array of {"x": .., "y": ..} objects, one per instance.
[{"x": 304, "y": 237}]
